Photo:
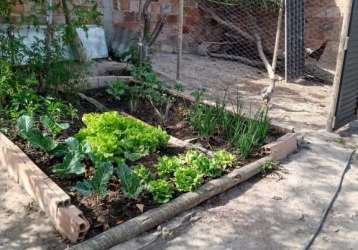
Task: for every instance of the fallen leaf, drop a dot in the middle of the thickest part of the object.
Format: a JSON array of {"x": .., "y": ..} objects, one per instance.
[
  {"x": 119, "y": 221},
  {"x": 140, "y": 207}
]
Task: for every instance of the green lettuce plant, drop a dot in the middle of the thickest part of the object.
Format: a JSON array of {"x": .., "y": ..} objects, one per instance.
[
  {"x": 187, "y": 179},
  {"x": 168, "y": 165},
  {"x": 115, "y": 137},
  {"x": 161, "y": 190},
  {"x": 223, "y": 158}
]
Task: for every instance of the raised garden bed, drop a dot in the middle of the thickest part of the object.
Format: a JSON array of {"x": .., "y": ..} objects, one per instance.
[{"x": 112, "y": 207}]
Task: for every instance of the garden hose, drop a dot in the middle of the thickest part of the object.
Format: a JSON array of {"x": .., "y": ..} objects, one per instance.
[{"x": 330, "y": 205}]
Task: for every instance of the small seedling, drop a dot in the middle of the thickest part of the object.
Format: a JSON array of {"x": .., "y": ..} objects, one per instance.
[{"x": 269, "y": 167}]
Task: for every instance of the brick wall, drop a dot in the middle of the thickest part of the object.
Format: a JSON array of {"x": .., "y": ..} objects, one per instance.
[{"x": 26, "y": 8}]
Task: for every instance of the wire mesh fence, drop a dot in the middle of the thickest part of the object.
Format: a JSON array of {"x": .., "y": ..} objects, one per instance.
[
  {"x": 271, "y": 38},
  {"x": 238, "y": 31}
]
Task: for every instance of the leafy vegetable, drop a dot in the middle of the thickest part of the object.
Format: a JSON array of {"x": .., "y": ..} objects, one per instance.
[
  {"x": 168, "y": 165},
  {"x": 143, "y": 173},
  {"x": 187, "y": 179},
  {"x": 54, "y": 127},
  {"x": 161, "y": 190},
  {"x": 117, "y": 89},
  {"x": 28, "y": 131},
  {"x": 223, "y": 159},
  {"x": 131, "y": 183},
  {"x": 243, "y": 133},
  {"x": 73, "y": 160},
  {"x": 98, "y": 185},
  {"x": 115, "y": 137}
]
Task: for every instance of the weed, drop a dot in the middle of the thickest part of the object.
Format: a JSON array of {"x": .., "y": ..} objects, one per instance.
[{"x": 269, "y": 167}]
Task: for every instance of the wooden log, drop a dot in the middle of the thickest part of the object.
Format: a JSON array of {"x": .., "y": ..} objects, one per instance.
[
  {"x": 155, "y": 217},
  {"x": 94, "y": 102}
]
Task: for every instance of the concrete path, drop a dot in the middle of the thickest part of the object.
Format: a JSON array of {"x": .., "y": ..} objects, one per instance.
[
  {"x": 281, "y": 211},
  {"x": 22, "y": 224}
]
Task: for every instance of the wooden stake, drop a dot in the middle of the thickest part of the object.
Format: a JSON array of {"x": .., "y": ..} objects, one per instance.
[
  {"x": 180, "y": 37},
  {"x": 278, "y": 36}
]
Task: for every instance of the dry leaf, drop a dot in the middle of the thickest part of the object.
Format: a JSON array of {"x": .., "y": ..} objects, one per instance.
[{"x": 140, "y": 207}]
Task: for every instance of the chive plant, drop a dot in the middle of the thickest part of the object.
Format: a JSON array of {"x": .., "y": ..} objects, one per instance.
[{"x": 242, "y": 133}]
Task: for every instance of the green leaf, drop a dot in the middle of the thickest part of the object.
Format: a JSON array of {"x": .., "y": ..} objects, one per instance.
[
  {"x": 132, "y": 156},
  {"x": 84, "y": 188},
  {"x": 53, "y": 126},
  {"x": 74, "y": 157},
  {"x": 131, "y": 183},
  {"x": 143, "y": 173},
  {"x": 25, "y": 124},
  {"x": 104, "y": 172},
  {"x": 38, "y": 140},
  {"x": 98, "y": 185},
  {"x": 161, "y": 190}
]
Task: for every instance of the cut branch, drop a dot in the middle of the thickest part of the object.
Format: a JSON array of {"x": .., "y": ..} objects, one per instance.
[{"x": 256, "y": 38}]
